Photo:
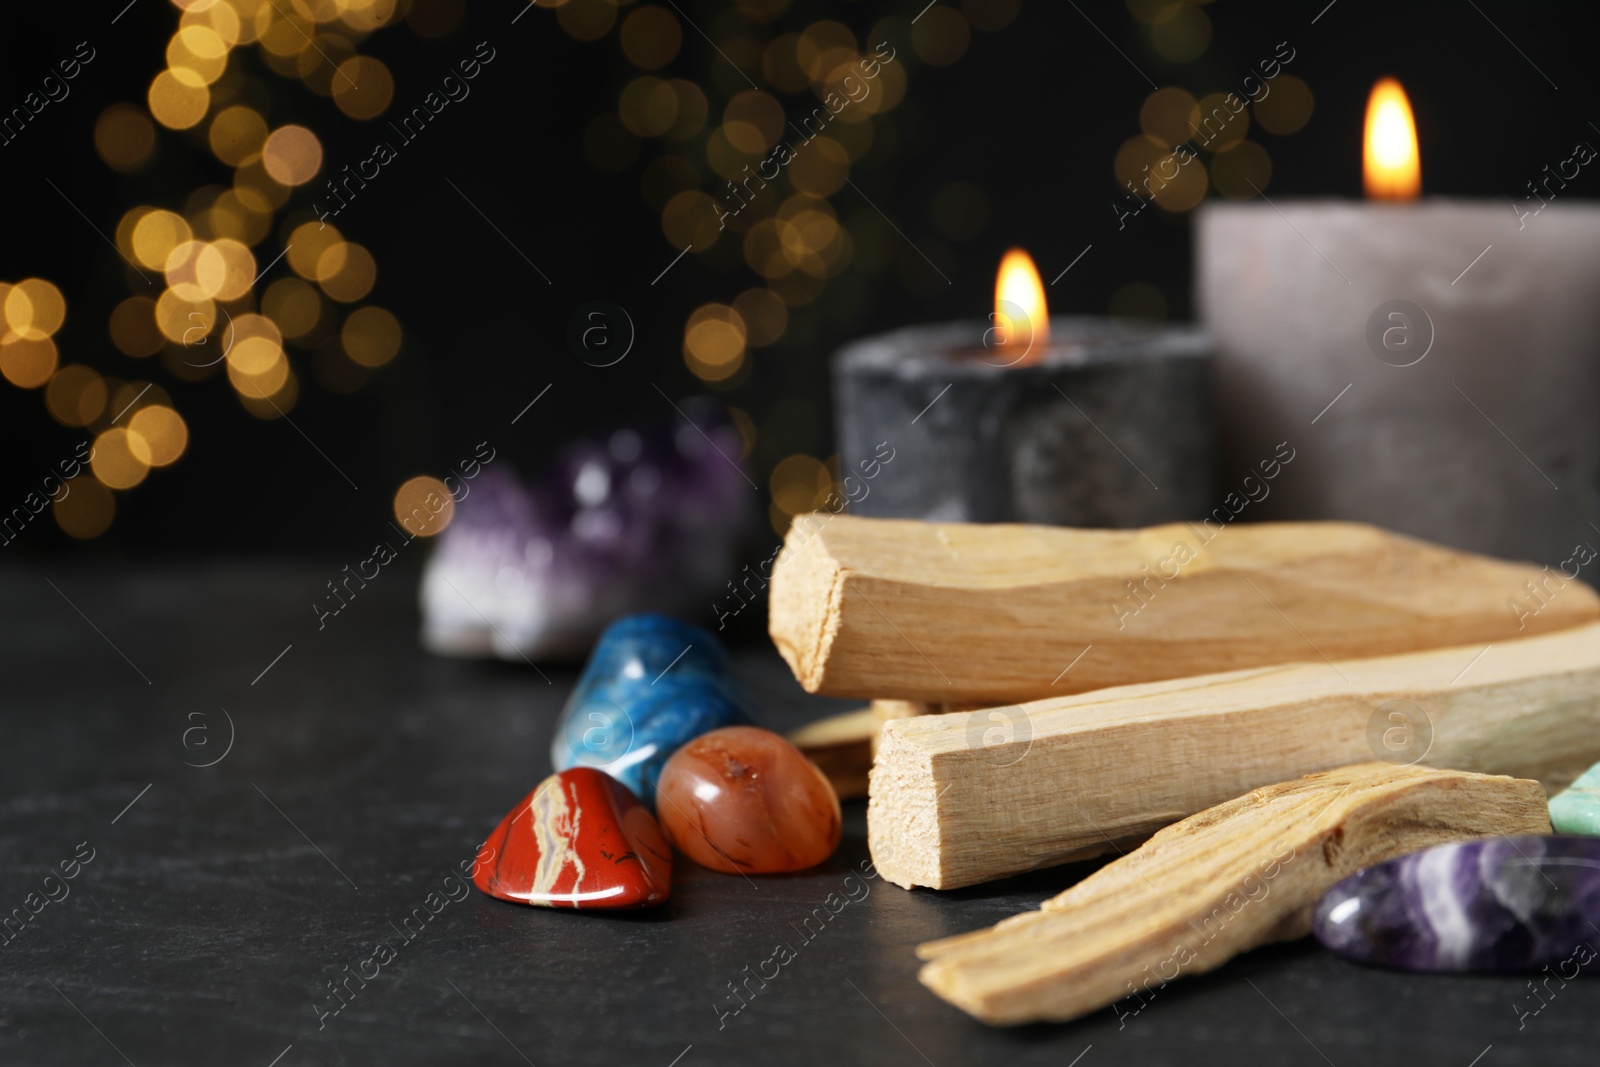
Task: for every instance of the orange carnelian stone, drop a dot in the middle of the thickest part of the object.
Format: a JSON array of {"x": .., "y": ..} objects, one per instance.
[{"x": 744, "y": 800}]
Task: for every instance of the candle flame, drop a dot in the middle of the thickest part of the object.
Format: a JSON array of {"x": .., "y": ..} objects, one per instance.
[
  {"x": 1021, "y": 321},
  {"x": 1393, "y": 170}
]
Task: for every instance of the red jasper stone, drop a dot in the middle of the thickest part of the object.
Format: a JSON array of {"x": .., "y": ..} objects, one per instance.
[
  {"x": 579, "y": 840},
  {"x": 744, "y": 800}
]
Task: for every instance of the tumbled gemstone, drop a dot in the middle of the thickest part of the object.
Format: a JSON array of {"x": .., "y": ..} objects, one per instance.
[
  {"x": 651, "y": 684},
  {"x": 743, "y": 799},
  {"x": 1577, "y": 810},
  {"x": 1499, "y": 904},
  {"x": 579, "y": 840}
]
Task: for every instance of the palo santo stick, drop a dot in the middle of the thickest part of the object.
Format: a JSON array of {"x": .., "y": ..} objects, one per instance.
[
  {"x": 964, "y": 798},
  {"x": 841, "y": 746},
  {"x": 1214, "y": 885},
  {"x": 904, "y": 709},
  {"x": 965, "y": 613}
]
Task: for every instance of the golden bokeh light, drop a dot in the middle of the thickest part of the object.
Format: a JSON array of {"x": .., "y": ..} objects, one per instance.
[
  {"x": 763, "y": 250},
  {"x": 991, "y": 15},
  {"x": 76, "y": 395},
  {"x": 295, "y": 306},
  {"x": 155, "y": 235},
  {"x": 273, "y": 405},
  {"x": 799, "y": 483},
  {"x": 693, "y": 110},
  {"x": 125, "y": 138},
  {"x": 230, "y": 216},
  {"x": 651, "y": 37},
  {"x": 586, "y": 20},
  {"x": 1176, "y": 181},
  {"x": 133, "y": 327},
  {"x": 714, "y": 342},
  {"x": 114, "y": 461},
  {"x": 225, "y": 268},
  {"x": 237, "y": 135},
  {"x": 367, "y": 16},
  {"x": 820, "y": 47},
  {"x": 822, "y": 169},
  {"x": 306, "y": 244},
  {"x": 423, "y": 506},
  {"x": 282, "y": 33},
  {"x": 648, "y": 106},
  {"x": 346, "y": 271},
  {"x": 124, "y": 397},
  {"x": 1169, "y": 116},
  {"x": 270, "y": 377},
  {"x": 318, "y": 66},
  {"x": 753, "y": 121},
  {"x": 87, "y": 509},
  {"x": 157, "y": 435},
  {"x": 257, "y": 189},
  {"x": 371, "y": 336},
  {"x": 188, "y": 319},
  {"x": 810, "y": 238},
  {"x": 690, "y": 221},
  {"x": 221, "y": 17},
  {"x": 27, "y": 363},
  {"x": 1287, "y": 107},
  {"x": 178, "y": 99},
  {"x": 292, "y": 155},
  {"x": 765, "y": 316},
  {"x": 363, "y": 87},
  {"x": 256, "y": 343},
  {"x": 34, "y": 309},
  {"x": 1221, "y": 127},
  {"x": 940, "y": 36},
  {"x": 182, "y": 270},
  {"x": 1185, "y": 191},
  {"x": 198, "y": 51},
  {"x": 1180, "y": 32}
]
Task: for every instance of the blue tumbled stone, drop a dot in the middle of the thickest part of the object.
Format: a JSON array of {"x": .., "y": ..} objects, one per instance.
[
  {"x": 1499, "y": 904},
  {"x": 651, "y": 685}
]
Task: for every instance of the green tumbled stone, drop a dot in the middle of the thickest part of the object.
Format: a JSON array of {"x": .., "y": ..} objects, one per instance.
[{"x": 1577, "y": 811}]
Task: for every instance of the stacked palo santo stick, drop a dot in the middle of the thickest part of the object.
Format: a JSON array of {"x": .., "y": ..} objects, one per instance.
[{"x": 1044, "y": 694}]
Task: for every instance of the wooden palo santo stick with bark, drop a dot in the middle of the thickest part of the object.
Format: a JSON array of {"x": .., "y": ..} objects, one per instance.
[
  {"x": 964, "y": 798},
  {"x": 1214, "y": 885},
  {"x": 966, "y": 613}
]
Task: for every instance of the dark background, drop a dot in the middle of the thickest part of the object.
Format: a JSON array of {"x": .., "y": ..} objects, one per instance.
[
  {"x": 1032, "y": 115},
  {"x": 224, "y": 897}
]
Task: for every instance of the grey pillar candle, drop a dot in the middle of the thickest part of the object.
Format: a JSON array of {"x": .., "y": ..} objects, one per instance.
[
  {"x": 1436, "y": 365},
  {"x": 1106, "y": 429}
]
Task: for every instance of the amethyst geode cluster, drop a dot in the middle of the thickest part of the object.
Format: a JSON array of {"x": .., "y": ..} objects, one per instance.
[{"x": 648, "y": 519}]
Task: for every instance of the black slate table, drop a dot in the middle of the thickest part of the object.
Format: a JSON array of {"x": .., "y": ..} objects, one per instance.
[{"x": 351, "y": 773}]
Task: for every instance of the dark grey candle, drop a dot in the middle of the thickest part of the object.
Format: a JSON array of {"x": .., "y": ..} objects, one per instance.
[{"x": 1107, "y": 429}]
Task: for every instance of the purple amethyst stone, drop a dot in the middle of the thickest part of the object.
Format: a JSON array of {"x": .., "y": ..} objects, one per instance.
[
  {"x": 1499, "y": 904},
  {"x": 646, "y": 519}
]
